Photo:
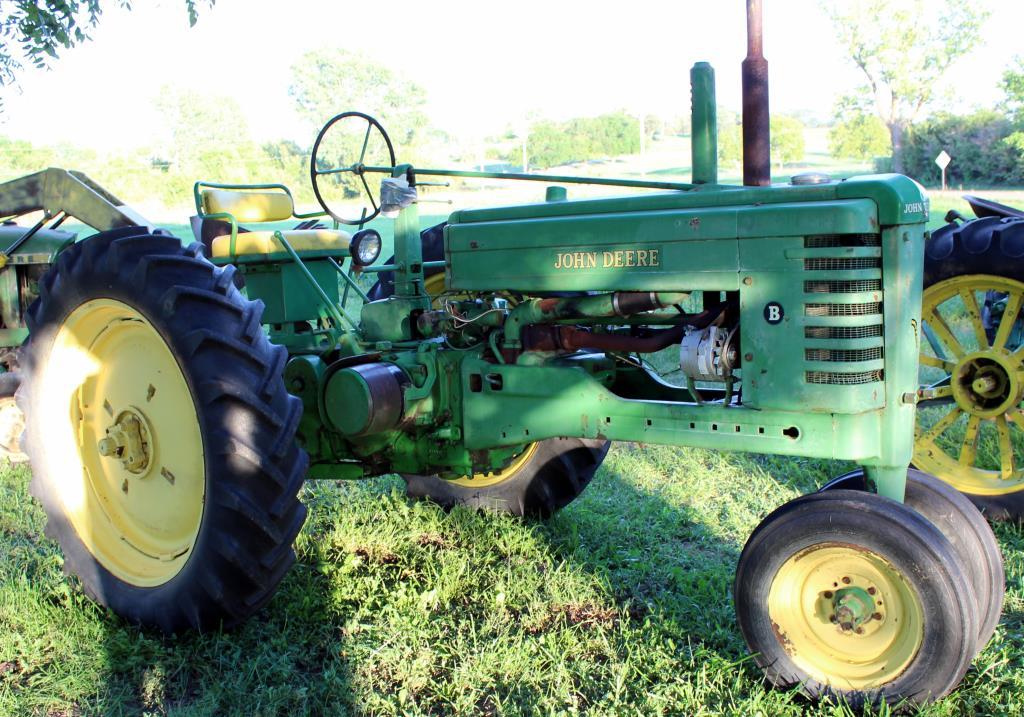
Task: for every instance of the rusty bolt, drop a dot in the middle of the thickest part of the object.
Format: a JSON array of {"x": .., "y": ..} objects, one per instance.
[
  {"x": 827, "y": 594},
  {"x": 876, "y": 616},
  {"x": 748, "y": 280},
  {"x": 748, "y": 357},
  {"x": 846, "y": 581},
  {"x": 859, "y": 631},
  {"x": 832, "y": 618},
  {"x": 871, "y": 591}
]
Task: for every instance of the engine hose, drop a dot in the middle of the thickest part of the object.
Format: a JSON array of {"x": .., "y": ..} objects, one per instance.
[
  {"x": 619, "y": 303},
  {"x": 549, "y": 337}
]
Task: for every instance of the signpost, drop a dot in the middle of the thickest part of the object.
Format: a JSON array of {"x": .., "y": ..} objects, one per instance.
[{"x": 943, "y": 161}]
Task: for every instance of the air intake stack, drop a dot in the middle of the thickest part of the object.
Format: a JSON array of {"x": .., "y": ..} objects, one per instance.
[{"x": 757, "y": 166}]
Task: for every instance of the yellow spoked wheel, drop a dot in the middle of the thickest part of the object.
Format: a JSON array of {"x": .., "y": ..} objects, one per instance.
[
  {"x": 845, "y": 592},
  {"x": 125, "y": 430},
  {"x": 850, "y": 619},
  {"x": 160, "y": 433},
  {"x": 970, "y": 427}
]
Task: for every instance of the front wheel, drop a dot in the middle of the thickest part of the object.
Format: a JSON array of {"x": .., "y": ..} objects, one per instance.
[
  {"x": 853, "y": 594},
  {"x": 160, "y": 432}
]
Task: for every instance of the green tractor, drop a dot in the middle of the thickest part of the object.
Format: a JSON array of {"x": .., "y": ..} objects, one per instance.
[{"x": 177, "y": 397}]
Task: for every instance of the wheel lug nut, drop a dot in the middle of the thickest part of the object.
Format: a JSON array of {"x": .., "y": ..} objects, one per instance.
[
  {"x": 871, "y": 591},
  {"x": 846, "y": 581},
  {"x": 876, "y": 616}
]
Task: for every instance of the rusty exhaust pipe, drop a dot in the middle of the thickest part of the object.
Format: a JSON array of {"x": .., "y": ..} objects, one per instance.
[{"x": 757, "y": 162}]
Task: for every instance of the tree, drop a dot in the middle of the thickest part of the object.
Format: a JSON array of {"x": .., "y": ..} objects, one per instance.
[
  {"x": 730, "y": 146},
  {"x": 903, "y": 47},
  {"x": 1013, "y": 88},
  {"x": 551, "y": 144},
  {"x": 858, "y": 135},
  {"x": 330, "y": 80},
  {"x": 40, "y": 29},
  {"x": 983, "y": 146},
  {"x": 787, "y": 143}
]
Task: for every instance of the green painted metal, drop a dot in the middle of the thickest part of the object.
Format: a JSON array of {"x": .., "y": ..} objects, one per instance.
[{"x": 704, "y": 126}]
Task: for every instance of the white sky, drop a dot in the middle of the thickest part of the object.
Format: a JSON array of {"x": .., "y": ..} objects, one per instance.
[{"x": 484, "y": 64}]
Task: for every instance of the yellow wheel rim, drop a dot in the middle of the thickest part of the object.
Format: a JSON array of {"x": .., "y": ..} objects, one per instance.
[
  {"x": 846, "y": 616},
  {"x": 121, "y": 440},
  {"x": 975, "y": 438},
  {"x": 484, "y": 480}
]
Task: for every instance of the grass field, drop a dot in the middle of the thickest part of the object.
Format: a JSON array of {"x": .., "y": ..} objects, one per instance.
[
  {"x": 618, "y": 605},
  {"x": 621, "y": 604}
]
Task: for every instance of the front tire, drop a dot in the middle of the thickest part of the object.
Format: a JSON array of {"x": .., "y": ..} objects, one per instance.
[
  {"x": 856, "y": 595},
  {"x": 967, "y": 531},
  {"x": 160, "y": 432}
]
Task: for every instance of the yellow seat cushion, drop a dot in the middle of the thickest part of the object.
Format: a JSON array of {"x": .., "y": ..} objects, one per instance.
[
  {"x": 249, "y": 206},
  {"x": 249, "y": 243}
]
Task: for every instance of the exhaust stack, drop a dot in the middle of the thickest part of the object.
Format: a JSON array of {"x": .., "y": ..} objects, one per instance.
[{"x": 757, "y": 163}]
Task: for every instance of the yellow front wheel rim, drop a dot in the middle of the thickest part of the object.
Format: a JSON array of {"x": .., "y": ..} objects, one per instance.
[
  {"x": 123, "y": 442},
  {"x": 973, "y": 441},
  {"x": 846, "y": 616}
]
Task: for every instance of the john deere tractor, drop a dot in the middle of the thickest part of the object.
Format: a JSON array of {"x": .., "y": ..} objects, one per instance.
[{"x": 178, "y": 396}]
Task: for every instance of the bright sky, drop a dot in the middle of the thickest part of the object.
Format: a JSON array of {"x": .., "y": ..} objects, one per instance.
[{"x": 484, "y": 64}]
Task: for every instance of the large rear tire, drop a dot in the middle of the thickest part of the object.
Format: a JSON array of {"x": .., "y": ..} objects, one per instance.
[
  {"x": 545, "y": 478},
  {"x": 970, "y": 427},
  {"x": 160, "y": 432}
]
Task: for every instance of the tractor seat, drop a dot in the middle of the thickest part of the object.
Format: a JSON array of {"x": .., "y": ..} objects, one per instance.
[{"x": 265, "y": 243}]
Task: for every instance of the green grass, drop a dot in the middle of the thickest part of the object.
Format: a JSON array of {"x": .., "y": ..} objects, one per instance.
[{"x": 618, "y": 605}]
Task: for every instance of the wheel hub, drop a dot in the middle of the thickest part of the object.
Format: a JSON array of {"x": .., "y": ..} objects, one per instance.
[
  {"x": 853, "y": 607},
  {"x": 985, "y": 384},
  {"x": 128, "y": 440}
]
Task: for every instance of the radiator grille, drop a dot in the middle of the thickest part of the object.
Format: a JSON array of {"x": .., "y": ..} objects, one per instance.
[
  {"x": 865, "y": 317},
  {"x": 837, "y": 263},
  {"x": 844, "y": 379},
  {"x": 846, "y": 355},
  {"x": 843, "y": 309},
  {"x": 830, "y": 241},
  {"x": 842, "y": 286},
  {"x": 842, "y": 332}
]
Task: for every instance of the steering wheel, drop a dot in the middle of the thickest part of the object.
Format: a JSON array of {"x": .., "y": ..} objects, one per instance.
[{"x": 351, "y": 140}]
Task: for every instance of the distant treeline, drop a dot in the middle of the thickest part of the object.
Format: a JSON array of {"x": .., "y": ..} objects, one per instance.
[{"x": 987, "y": 148}]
